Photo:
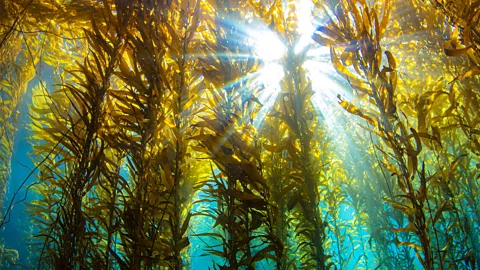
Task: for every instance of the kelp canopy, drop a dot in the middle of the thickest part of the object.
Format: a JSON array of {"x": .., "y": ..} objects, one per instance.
[{"x": 253, "y": 134}]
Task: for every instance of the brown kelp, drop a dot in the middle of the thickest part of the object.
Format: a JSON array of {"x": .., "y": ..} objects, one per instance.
[
  {"x": 401, "y": 149},
  {"x": 463, "y": 15},
  {"x": 161, "y": 133},
  {"x": 19, "y": 48},
  {"x": 227, "y": 136},
  {"x": 135, "y": 196},
  {"x": 159, "y": 89},
  {"x": 304, "y": 144},
  {"x": 74, "y": 130},
  {"x": 363, "y": 34}
]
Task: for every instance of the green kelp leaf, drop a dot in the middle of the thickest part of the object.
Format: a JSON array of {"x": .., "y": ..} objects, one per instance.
[
  {"x": 214, "y": 235},
  {"x": 446, "y": 206},
  {"x": 182, "y": 244},
  {"x": 410, "y": 228},
  {"x": 186, "y": 223},
  {"x": 409, "y": 211},
  {"x": 246, "y": 196},
  {"x": 290, "y": 187},
  {"x": 273, "y": 148},
  {"x": 253, "y": 174}
]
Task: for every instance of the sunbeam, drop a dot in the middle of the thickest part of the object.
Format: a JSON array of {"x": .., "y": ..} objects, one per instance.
[
  {"x": 305, "y": 25},
  {"x": 267, "y": 45},
  {"x": 269, "y": 79}
]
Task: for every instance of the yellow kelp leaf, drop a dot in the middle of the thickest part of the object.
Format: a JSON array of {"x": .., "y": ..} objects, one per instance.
[
  {"x": 453, "y": 48},
  {"x": 344, "y": 72},
  {"x": 385, "y": 17},
  {"x": 349, "y": 107},
  {"x": 391, "y": 168},
  {"x": 473, "y": 72},
  {"x": 273, "y": 148},
  {"x": 410, "y": 228},
  {"x": 409, "y": 211},
  {"x": 409, "y": 244},
  {"x": 347, "y": 58},
  {"x": 391, "y": 60}
]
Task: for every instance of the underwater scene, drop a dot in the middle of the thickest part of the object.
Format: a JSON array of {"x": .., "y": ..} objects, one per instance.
[{"x": 239, "y": 134}]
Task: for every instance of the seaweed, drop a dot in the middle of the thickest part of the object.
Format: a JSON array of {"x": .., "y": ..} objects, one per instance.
[
  {"x": 237, "y": 188},
  {"x": 160, "y": 133},
  {"x": 401, "y": 155}
]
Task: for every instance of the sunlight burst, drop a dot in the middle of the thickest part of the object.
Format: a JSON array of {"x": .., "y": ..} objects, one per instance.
[
  {"x": 269, "y": 80},
  {"x": 305, "y": 25},
  {"x": 268, "y": 46}
]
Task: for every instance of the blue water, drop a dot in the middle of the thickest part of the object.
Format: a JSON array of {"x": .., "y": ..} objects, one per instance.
[{"x": 17, "y": 230}]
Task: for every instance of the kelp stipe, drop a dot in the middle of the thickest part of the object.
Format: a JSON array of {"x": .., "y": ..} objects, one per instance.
[
  {"x": 68, "y": 181},
  {"x": 296, "y": 112},
  {"x": 400, "y": 155},
  {"x": 380, "y": 85},
  {"x": 237, "y": 188},
  {"x": 277, "y": 169},
  {"x": 154, "y": 108},
  {"x": 20, "y": 54},
  {"x": 301, "y": 147}
]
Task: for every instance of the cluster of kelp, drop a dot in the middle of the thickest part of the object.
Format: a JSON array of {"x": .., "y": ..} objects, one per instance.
[
  {"x": 427, "y": 141},
  {"x": 152, "y": 116}
]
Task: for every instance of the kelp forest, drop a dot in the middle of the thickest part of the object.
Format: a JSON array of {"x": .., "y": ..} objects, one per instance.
[{"x": 249, "y": 134}]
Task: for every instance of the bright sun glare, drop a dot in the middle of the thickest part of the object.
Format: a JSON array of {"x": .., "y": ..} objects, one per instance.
[{"x": 270, "y": 48}]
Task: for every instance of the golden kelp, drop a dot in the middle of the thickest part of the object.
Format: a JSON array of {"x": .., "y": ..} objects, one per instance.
[
  {"x": 401, "y": 148},
  {"x": 157, "y": 124}
]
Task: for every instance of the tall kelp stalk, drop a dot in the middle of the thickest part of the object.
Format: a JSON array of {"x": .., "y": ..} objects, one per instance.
[
  {"x": 365, "y": 193},
  {"x": 304, "y": 145},
  {"x": 26, "y": 36},
  {"x": 417, "y": 65},
  {"x": 237, "y": 192},
  {"x": 345, "y": 234},
  {"x": 450, "y": 200},
  {"x": 463, "y": 41},
  {"x": 363, "y": 32},
  {"x": 451, "y": 110},
  {"x": 153, "y": 109},
  {"x": 346, "y": 230},
  {"x": 304, "y": 151},
  {"x": 357, "y": 25},
  {"x": 19, "y": 48},
  {"x": 276, "y": 168},
  {"x": 467, "y": 161},
  {"x": 183, "y": 89},
  {"x": 69, "y": 129}
]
